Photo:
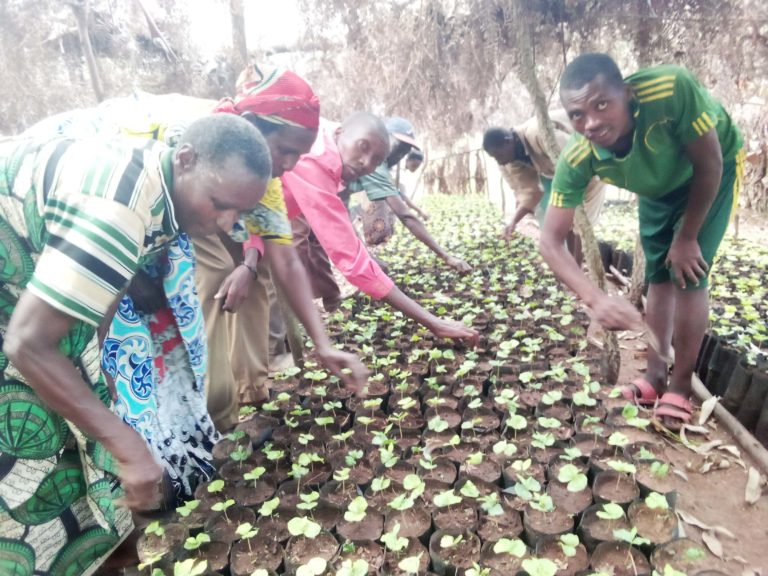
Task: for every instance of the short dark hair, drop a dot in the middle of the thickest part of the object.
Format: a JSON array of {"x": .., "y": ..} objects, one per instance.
[
  {"x": 217, "y": 137},
  {"x": 495, "y": 138},
  {"x": 415, "y": 155},
  {"x": 586, "y": 67},
  {"x": 370, "y": 122}
]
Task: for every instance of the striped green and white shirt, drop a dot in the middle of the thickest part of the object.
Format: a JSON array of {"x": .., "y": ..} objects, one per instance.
[{"x": 82, "y": 215}]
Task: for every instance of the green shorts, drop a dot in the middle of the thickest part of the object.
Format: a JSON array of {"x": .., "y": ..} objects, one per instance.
[{"x": 661, "y": 217}]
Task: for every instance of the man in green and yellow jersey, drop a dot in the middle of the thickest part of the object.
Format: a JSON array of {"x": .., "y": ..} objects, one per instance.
[{"x": 661, "y": 135}]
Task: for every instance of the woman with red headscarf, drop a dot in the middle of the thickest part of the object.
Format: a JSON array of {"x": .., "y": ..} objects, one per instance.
[{"x": 286, "y": 111}]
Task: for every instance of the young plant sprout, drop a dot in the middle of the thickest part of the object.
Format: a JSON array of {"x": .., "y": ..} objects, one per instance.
[
  {"x": 246, "y": 531},
  {"x": 539, "y": 567},
  {"x": 573, "y": 477},
  {"x": 308, "y": 501},
  {"x": 358, "y": 567},
  {"x": 356, "y": 509},
  {"x": 568, "y": 544},
  {"x": 315, "y": 567},
  {"x": 392, "y": 541},
  {"x": 269, "y": 507},
  {"x": 513, "y": 547},
  {"x": 223, "y": 507},
  {"x": 411, "y": 564},
  {"x": 449, "y": 541},
  {"x": 302, "y": 526},
  {"x": 189, "y": 567},
  {"x": 155, "y": 528},
  {"x": 194, "y": 542}
]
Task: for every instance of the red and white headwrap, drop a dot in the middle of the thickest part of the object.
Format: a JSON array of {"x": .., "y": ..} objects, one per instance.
[{"x": 277, "y": 96}]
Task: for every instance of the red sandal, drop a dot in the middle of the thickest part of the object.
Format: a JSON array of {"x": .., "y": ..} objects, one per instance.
[
  {"x": 647, "y": 393},
  {"x": 674, "y": 405}
]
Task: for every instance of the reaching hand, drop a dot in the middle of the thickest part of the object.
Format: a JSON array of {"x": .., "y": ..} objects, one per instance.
[
  {"x": 509, "y": 231},
  {"x": 346, "y": 366},
  {"x": 685, "y": 260},
  {"x": 139, "y": 472},
  {"x": 616, "y": 313},
  {"x": 455, "y": 331},
  {"x": 234, "y": 290},
  {"x": 424, "y": 216},
  {"x": 458, "y": 264}
]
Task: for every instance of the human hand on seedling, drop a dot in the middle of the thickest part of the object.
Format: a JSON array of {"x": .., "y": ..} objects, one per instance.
[
  {"x": 685, "y": 261},
  {"x": 616, "y": 313},
  {"x": 509, "y": 231},
  {"x": 458, "y": 264},
  {"x": 346, "y": 366},
  {"x": 455, "y": 331}
]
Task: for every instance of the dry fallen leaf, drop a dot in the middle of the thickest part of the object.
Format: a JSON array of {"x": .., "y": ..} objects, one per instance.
[
  {"x": 681, "y": 473},
  {"x": 724, "y": 532},
  {"x": 706, "y": 466},
  {"x": 707, "y": 407},
  {"x": 707, "y": 447},
  {"x": 712, "y": 542},
  {"x": 731, "y": 449},
  {"x": 692, "y": 520},
  {"x": 697, "y": 429},
  {"x": 752, "y": 492}
]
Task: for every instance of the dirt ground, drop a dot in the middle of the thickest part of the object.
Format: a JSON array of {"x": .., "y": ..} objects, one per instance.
[{"x": 711, "y": 487}]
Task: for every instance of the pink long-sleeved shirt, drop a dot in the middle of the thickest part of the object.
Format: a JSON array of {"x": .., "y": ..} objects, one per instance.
[{"x": 311, "y": 189}]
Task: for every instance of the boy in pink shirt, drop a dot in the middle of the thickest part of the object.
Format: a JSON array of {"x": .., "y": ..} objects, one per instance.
[{"x": 342, "y": 154}]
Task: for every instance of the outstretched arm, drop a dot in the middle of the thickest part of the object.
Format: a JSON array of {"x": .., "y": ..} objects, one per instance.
[
  {"x": 611, "y": 313},
  {"x": 418, "y": 229},
  {"x": 290, "y": 275}
]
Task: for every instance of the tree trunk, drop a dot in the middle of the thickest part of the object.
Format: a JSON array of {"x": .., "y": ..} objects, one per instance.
[
  {"x": 527, "y": 71},
  {"x": 81, "y": 11},
  {"x": 237, "y": 11},
  {"x": 637, "y": 282}
]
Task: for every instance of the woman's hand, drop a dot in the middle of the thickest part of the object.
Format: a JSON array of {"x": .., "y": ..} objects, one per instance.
[
  {"x": 235, "y": 288},
  {"x": 455, "y": 331},
  {"x": 346, "y": 366},
  {"x": 139, "y": 472}
]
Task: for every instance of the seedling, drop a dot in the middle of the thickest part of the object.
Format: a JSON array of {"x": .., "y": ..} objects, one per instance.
[
  {"x": 631, "y": 538},
  {"x": 610, "y": 511},
  {"x": 669, "y": 571},
  {"x": 356, "y": 510},
  {"x": 490, "y": 504},
  {"x": 349, "y": 567},
  {"x": 526, "y": 487},
  {"x": 656, "y": 501},
  {"x": 155, "y": 528},
  {"x": 269, "y": 507},
  {"x": 247, "y": 531},
  {"x": 446, "y": 499},
  {"x": 308, "y": 501},
  {"x": 568, "y": 544},
  {"x": 539, "y": 567},
  {"x": 254, "y": 474},
  {"x": 508, "y": 449},
  {"x": 469, "y": 490},
  {"x": 478, "y": 570},
  {"x": 216, "y": 486},
  {"x": 190, "y": 567},
  {"x": 301, "y": 526},
  {"x": 194, "y": 542},
  {"x": 448, "y": 541},
  {"x": 187, "y": 508},
  {"x": 660, "y": 469},
  {"x": 392, "y": 541},
  {"x": 575, "y": 479},
  {"x": 379, "y": 484},
  {"x": 513, "y": 547},
  {"x": 315, "y": 567},
  {"x": 223, "y": 506},
  {"x": 411, "y": 564}
]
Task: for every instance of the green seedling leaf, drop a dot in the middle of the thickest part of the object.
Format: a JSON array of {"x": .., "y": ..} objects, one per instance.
[
  {"x": 379, "y": 484},
  {"x": 411, "y": 564},
  {"x": 621, "y": 466},
  {"x": 155, "y": 528},
  {"x": 446, "y": 498},
  {"x": 246, "y": 530},
  {"x": 539, "y": 567},
  {"x": 469, "y": 490},
  {"x": 187, "y": 508},
  {"x": 356, "y": 509},
  {"x": 268, "y": 508},
  {"x": 656, "y": 501},
  {"x": 301, "y": 526},
  {"x": 448, "y": 541},
  {"x": 216, "y": 486},
  {"x": 513, "y": 547},
  {"x": 189, "y": 567},
  {"x": 194, "y": 542},
  {"x": 315, "y": 567},
  {"x": 357, "y": 567},
  {"x": 255, "y": 474},
  {"x": 568, "y": 544},
  {"x": 392, "y": 541},
  {"x": 575, "y": 479},
  {"x": 611, "y": 511}
]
